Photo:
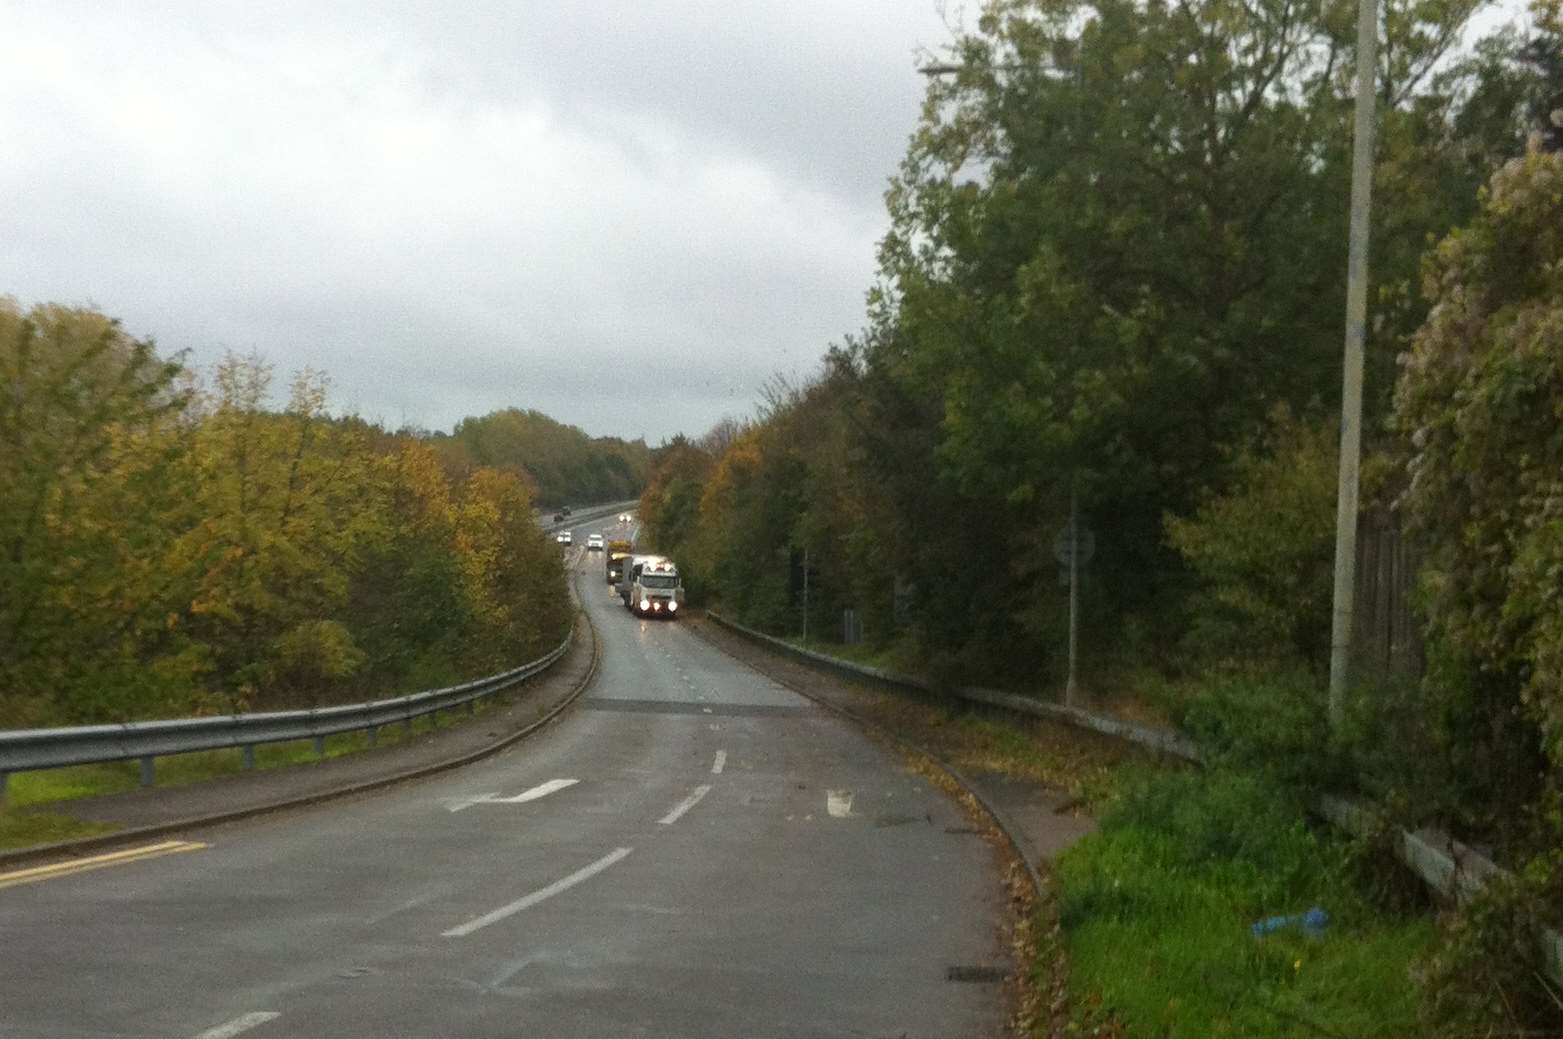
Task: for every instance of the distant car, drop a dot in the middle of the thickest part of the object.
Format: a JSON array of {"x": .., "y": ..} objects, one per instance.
[
  {"x": 565, "y": 537},
  {"x": 565, "y": 509},
  {"x": 594, "y": 543},
  {"x": 558, "y": 517},
  {"x": 625, "y": 517}
]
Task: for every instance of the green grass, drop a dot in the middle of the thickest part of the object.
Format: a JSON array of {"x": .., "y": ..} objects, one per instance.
[
  {"x": 1156, "y": 911},
  {"x": 23, "y": 829},
  {"x": 65, "y": 784}
]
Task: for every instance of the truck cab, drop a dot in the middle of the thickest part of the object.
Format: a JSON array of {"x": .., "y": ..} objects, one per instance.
[{"x": 651, "y": 587}]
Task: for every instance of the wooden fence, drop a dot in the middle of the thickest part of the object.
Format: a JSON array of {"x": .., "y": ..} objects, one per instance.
[{"x": 1387, "y": 633}]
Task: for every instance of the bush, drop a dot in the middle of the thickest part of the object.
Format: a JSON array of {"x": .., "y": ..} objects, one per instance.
[
  {"x": 313, "y": 655},
  {"x": 1275, "y": 724},
  {"x": 1264, "y": 550},
  {"x": 1486, "y": 976}
]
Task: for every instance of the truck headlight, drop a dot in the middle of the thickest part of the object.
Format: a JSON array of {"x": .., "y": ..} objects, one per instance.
[
  {"x": 645, "y": 604},
  {"x": 672, "y": 606}
]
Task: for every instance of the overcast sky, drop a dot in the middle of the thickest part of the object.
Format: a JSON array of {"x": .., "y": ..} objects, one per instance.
[{"x": 623, "y": 213}]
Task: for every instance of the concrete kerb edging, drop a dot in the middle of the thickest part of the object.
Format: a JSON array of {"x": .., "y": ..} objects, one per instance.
[
  {"x": 108, "y": 840},
  {"x": 1444, "y": 864},
  {"x": 1000, "y": 820}
]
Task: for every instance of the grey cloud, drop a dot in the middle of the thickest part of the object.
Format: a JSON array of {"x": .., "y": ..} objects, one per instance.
[{"x": 462, "y": 207}]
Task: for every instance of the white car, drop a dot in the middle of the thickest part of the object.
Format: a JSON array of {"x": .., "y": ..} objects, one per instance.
[
  {"x": 594, "y": 543},
  {"x": 565, "y": 537}
]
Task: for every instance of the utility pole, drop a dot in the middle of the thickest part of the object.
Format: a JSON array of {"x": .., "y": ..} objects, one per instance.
[
  {"x": 1071, "y": 686},
  {"x": 1351, "y": 378},
  {"x": 805, "y": 594}
]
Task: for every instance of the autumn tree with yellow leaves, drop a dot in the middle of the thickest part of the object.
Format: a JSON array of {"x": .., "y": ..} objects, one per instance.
[{"x": 172, "y": 544}]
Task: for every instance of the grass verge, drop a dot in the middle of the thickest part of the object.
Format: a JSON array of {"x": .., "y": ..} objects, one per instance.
[
  {"x": 23, "y": 829},
  {"x": 857, "y": 652},
  {"x": 1157, "y": 908}
]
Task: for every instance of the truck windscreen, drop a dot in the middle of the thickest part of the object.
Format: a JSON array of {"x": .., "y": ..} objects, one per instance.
[{"x": 658, "y": 581}]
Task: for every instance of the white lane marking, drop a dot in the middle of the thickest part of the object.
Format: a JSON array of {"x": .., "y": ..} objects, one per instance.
[
  {"x": 838, "y": 803},
  {"x": 468, "y": 802},
  {"x": 685, "y": 805},
  {"x": 510, "y": 971},
  {"x": 242, "y": 1023},
  {"x": 541, "y": 790},
  {"x": 540, "y": 895},
  {"x": 721, "y": 759}
]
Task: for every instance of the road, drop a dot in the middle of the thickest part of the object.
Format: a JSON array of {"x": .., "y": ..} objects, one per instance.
[{"x": 692, "y": 851}]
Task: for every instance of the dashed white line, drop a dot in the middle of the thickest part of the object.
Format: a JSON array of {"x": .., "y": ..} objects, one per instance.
[
  {"x": 540, "y": 895},
  {"x": 721, "y": 759},
  {"x": 685, "y": 805},
  {"x": 242, "y": 1023}
]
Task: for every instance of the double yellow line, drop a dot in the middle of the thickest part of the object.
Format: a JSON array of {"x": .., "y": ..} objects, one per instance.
[{"x": 113, "y": 858}]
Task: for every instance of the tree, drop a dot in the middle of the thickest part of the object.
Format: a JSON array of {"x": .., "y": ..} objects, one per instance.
[
  {"x": 1118, "y": 243},
  {"x": 88, "y": 431},
  {"x": 562, "y": 462}
]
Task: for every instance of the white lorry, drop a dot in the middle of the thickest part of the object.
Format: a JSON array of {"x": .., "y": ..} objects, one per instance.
[{"x": 650, "y": 586}]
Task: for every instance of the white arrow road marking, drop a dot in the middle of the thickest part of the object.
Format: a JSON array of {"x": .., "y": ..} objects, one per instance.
[
  {"x": 467, "y": 802},
  {"x": 541, "y": 790},
  {"x": 685, "y": 805},
  {"x": 239, "y": 1024},
  {"x": 540, "y": 895},
  {"x": 721, "y": 759}
]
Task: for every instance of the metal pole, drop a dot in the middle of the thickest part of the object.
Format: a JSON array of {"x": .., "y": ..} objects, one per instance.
[
  {"x": 1071, "y": 687},
  {"x": 805, "y": 593},
  {"x": 1351, "y": 379}
]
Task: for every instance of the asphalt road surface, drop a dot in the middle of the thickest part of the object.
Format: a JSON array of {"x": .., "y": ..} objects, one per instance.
[{"x": 692, "y": 851}]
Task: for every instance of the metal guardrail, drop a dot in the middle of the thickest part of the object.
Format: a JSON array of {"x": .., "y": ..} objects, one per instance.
[
  {"x": 27, "y": 750},
  {"x": 1161, "y": 740},
  {"x": 24, "y": 750},
  {"x": 1450, "y": 868}
]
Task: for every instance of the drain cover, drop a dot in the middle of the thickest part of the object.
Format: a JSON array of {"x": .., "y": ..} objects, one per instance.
[{"x": 981, "y": 975}]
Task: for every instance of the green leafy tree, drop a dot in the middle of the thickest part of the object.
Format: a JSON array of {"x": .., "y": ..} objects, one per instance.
[
  {"x": 1480, "y": 401},
  {"x": 562, "y": 462},
  {"x": 1117, "y": 244},
  {"x": 670, "y": 505},
  {"x": 88, "y": 432}
]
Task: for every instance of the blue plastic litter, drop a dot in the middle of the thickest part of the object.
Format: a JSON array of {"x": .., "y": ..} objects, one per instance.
[{"x": 1312, "y": 923}]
